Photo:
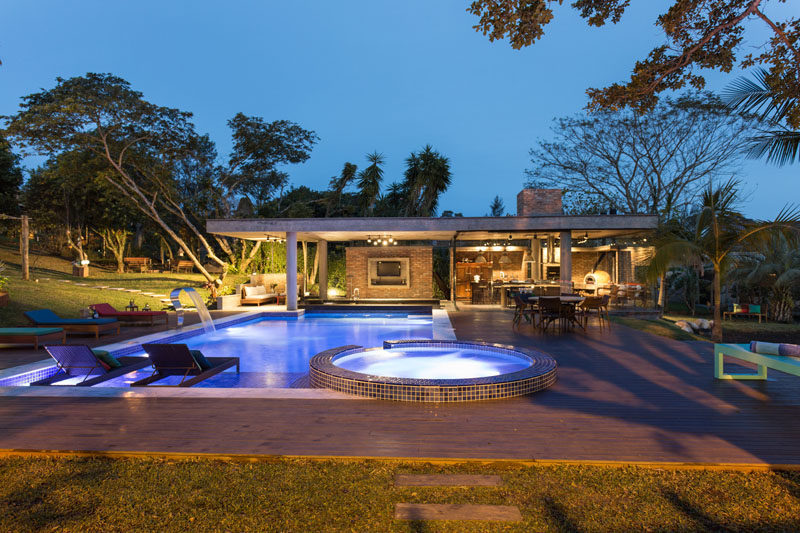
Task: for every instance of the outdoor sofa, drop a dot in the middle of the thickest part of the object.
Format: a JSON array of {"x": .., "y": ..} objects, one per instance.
[
  {"x": 32, "y": 336},
  {"x": 75, "y": 360},
  {"x": 106, "y": 310},
  {"x": 46, "y": 317},
  {"x": 257, "y": 295},
  {"x": 178, "y": 360}
]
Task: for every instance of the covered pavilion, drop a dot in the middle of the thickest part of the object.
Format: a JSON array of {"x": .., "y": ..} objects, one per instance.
[{"x": 526, "y": 233}]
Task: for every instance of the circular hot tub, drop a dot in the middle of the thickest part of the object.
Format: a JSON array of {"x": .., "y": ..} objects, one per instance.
[{"x": 433, "y": 371}]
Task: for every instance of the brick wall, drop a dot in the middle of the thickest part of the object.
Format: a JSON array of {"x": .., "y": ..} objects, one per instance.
[
  {"x": 582, "y": 263},
  {"x": 539, "y": 202},
  {"x": 420, "y": 262}
]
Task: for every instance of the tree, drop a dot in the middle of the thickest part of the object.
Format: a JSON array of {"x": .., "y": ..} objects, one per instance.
[
  {"x": 651, "y": 163},
  {"x": 496, "y": 208},
  {"x": 426, "y": 177},
  {"x": 774, "y": 265},
  {"x": 698, "y": 35},
  {"x": 157, "y": 161},
  {"x": 337, "y": 187},
  {"x": 369, "y": 183},
  {"x": 720, "y": 233},
  {"x": 10, "y": 179},
  {"x": 780, "y": 144},
  {"x": 116, "y": 240}
]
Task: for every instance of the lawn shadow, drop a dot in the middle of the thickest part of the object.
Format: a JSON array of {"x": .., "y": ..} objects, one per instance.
[
  {"x": 558, "y": 513},
  {"x": 34, "y": 508}
]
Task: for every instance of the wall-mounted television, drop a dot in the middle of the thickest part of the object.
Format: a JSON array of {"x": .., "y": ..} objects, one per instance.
[{"x": 389, "y": 268}]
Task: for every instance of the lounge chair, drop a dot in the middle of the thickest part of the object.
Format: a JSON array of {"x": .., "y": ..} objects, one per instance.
[
  {"x": 75, "y": 360},
  {"x": 45, "y": 317},
  {"x": 108, "y": 311},
  {"x": 178, "y": 360},
  {"x": 32, "y": 335}
]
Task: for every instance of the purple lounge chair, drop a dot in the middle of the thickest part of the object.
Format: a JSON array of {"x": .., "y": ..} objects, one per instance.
[
  {"x": 178, "y": 360},
  {"x": 75, "y": 360}
]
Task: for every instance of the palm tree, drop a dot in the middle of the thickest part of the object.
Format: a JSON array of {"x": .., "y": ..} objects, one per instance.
[
  {"x": 720, "y": 232},
  {"x": 369, "y": 183},
  {"x": 774, "y": 266},
  {"x": 781, "y": 143},
  {"x": 337, "y": 187},
  {"x": 427, "y": 176}
]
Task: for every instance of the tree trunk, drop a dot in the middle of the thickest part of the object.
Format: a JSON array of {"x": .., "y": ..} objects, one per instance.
[
  {"x": 716, "y": 331},
  {"x": 315, "y": 266},
  {"x": 249, "y": 259},
  {"x": 662, "y": 294}
]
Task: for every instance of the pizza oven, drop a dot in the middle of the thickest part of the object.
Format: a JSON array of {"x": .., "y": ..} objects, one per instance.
[{"x": 598, "y": 277}]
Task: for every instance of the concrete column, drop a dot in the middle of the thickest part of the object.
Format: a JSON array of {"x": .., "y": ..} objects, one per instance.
[
  {"x": 453, "y": 269},
  {"x": 566, "y": 261},
  {"x": 291, "y": 270},
  {"x": 322, "y": 253}
]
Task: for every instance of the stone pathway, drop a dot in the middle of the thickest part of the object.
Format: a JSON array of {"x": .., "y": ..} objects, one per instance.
[{"x": 450, "y": 511}]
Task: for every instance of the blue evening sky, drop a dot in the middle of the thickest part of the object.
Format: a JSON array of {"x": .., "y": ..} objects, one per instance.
[{"x": 365, "y": 75}]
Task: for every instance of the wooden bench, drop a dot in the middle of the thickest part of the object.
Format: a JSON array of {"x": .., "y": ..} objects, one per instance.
[
  {"x": 782, "y": 363},
  {"x": 730, "y": 314},
  {"x": 184, "y": 265},
  {"x": 137, "y": 264}
]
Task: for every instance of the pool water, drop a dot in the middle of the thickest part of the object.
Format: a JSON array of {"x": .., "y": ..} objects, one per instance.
[
  {"x": 432, "y": 363},
  {"x": 274, "y": 352}
]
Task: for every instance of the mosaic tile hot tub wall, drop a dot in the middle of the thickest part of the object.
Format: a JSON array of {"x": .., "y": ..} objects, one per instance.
[{"x": 539, "y": 376}]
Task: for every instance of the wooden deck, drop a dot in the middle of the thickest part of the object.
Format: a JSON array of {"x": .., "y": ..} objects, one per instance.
[{"x": 621, "y": 396}]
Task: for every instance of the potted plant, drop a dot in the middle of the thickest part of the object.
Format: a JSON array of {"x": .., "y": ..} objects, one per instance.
[
  {"x": 228, "y": 298},
  {"x": 3, "y": 286}
]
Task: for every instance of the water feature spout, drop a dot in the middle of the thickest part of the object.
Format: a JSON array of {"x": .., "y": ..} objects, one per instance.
[{"x": 197, "y": 300}]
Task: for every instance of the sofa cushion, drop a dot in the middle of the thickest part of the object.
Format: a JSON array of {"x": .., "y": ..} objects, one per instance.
[{"x": 255, "y": 292}]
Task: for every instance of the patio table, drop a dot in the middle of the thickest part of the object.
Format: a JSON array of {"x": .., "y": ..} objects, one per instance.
[{"x": 568, "y": 300}]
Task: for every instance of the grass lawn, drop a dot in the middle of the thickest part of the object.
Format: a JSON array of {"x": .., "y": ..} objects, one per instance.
[
  {"x": 733, "y": 331},
  {"x": 104, "y": 494},
  {"x": 657, "y": 326},
  {"x": 67, "y": 299}
]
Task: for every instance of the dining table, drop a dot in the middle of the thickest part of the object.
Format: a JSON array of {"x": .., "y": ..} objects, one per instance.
[{"x": 565, "y": 300}]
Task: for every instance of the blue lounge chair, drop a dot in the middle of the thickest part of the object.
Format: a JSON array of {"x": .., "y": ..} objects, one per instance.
[{"x": 45, "y": 317}]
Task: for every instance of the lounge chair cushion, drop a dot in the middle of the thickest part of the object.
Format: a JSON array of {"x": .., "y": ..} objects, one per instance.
[
  {"x": 200, "y": 359},
  {"x": 107, "y": 359},
  {"x": 46, "y": 316},
  {"x": 27, "y": 331}
]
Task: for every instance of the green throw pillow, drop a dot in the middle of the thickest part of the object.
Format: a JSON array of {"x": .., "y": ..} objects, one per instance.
[
  {"x": 200, "y": 359},
  {"x": 755, "y": 308},
  {"x": 107, "y": 358}
]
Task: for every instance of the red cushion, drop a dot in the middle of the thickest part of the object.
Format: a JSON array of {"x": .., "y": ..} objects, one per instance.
[{"x": 745, "y": 308}]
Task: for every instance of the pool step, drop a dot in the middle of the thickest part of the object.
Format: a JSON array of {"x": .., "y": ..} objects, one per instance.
[
  {"x": 447, "y": 480},
  {"x": 455, "y": 511},
  {"x": 450, "y": 511}
]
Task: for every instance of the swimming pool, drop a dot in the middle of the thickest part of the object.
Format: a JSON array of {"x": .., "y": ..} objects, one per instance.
[{"x": 275, "y": 352}]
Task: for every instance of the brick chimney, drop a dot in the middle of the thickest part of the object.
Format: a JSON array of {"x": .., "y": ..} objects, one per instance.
[{"x": 532, "y": 202}]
